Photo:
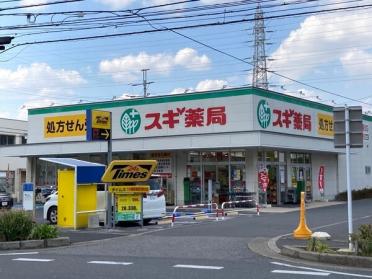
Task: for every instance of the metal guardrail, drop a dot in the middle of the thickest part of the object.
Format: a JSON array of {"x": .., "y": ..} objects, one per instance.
[
  {"x": 200, "y": 205},
  {"x": 237, "y": 202}
]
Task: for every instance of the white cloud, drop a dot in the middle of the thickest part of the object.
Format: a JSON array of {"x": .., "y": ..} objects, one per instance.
[
  {"x": 204, "y": 85},
  {"x": 34, "y": 103},
  {"x": 34, "y": 2},
  {"x": 349, "y": 59},
  {"x": 120, "y": 4},
  {"x": 189, "y": 59},
  {"x": 128, "y": 68},
  {"x": 116, "y": 4},
  {"x": 181, "y": 90},
  {"x": 320, "y": 40},
  {"x": 208, "y": 84},
  {"x": 163, "y": 2},
  {"x": 37, "y": 85},
  {"x": 38, "y": 76}
]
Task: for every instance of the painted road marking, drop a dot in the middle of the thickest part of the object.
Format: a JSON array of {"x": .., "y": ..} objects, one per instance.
[
  {"x": 323, "y": 270},
  {"x": 19, "y": 253},
  {"x": 33, "y": 260},
  {"x": 198, "y": 266},
  {"x": 301, "y": 272},
  {"x": 110, "y": 262}
]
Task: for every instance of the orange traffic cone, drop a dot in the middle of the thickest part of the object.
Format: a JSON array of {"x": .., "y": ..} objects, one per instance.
[{"x": 302, "y": 231}]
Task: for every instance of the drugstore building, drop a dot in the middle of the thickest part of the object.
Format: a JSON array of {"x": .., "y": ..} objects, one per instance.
[{"x": 242, "y": 141}]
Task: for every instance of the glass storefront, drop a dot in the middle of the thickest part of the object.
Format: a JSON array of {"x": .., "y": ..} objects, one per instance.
[
  {"x": 225, "y": 171},
  {"x": 274, "y": 164}
]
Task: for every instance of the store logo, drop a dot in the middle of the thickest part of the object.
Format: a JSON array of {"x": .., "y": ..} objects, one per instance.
[
  {"x": 130, "y": 121},
  {"x": 263, "y": 114}
]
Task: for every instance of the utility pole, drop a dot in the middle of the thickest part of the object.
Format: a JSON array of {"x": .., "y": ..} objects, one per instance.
[
  {"x": 144, "y": 83},
  {"x": 259, "y": 77}
]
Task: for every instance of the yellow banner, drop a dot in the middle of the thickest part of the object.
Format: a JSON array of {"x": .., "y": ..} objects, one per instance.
[
  {"x": 325, "y": 124},
  {"x": 129, "y": 189},
  {"x": 128, "y": 207},
  {"x": 101, "y": 119},
  {"x": 65, "y": 126}
]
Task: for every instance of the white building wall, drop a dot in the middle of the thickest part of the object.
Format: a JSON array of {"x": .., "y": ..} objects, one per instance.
[
  {"x": 18, "y": 129},
  {"x": 360, "y": 159},
  {"x": 329, "y": 161},
  {"x": 181, "y": 162},
  {"x": 251, "y": 170}
]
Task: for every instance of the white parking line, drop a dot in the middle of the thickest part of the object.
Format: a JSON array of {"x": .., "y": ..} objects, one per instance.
[
  {"x": 301, "y": 272},
  {"x": 323, "y": 270},
  {"x": 198, "y": 266},
  {"x": 110, "y": 262},
  {"x": 33, "y": 260},
  {"x": 19, "y": 253}
]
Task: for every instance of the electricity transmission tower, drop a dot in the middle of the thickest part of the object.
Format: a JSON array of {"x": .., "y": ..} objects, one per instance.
[{"x": 259, "y": 78}]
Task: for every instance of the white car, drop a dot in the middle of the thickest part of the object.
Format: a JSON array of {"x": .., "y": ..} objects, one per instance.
[{"x": 153, "y": 203}]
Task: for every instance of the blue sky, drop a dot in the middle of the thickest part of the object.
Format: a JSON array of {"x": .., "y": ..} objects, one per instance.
[{"x": 331, "y": 51}]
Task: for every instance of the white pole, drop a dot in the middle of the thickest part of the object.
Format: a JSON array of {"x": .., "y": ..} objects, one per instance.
[{"x": 348, "y": 184}]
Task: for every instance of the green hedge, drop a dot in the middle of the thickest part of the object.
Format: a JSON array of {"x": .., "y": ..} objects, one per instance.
[
  {"x": 15, "y": 225},
  {"x": 44, "y": 231},
  {"x": 18, "y": 225},
  {"x": 365, "y": 193},
  {"x": 363, "y": 240}
]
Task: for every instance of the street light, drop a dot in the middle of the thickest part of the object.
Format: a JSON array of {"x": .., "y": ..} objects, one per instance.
[{"x": 5, "y": 41}]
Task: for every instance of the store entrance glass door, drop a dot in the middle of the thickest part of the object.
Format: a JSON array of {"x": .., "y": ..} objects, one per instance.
[
  {"x": 218, "y": 175},
  {"x": 301, "y": 182},
  {"x": 209, "y": 175},
  {"x": 272, "y": 189}
]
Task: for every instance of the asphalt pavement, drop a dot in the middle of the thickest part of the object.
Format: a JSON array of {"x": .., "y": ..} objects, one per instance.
[{"x": 196, "y": 250}]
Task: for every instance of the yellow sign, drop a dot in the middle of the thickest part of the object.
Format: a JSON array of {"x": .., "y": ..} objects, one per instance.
[
  {"x": 65, "y": 126},
  {"x": 129, "y": 171},
  {"x": 325, "y": 124},
  {"x": 128, "y": 207},
  {"x": 130, "y": 189},
  {"x": 101, "y": 119}
]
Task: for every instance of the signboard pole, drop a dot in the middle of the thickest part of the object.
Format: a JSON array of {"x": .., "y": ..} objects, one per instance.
[
  {"x": 348, "y": 184},
  {"x": 142, "y": 211},
  {"x": 110, "y": 220}
]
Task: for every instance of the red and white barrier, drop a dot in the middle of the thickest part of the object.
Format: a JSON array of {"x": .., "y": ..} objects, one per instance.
[
  {"x": 200, "y": 205},
  {"x": 237, "y": 202}
]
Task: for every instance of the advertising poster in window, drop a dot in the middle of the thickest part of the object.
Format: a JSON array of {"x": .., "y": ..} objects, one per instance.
[{"x": 164, "y": 160}]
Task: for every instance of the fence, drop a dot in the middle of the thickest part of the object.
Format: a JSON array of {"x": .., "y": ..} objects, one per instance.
[{"x": 200, "y": 205}]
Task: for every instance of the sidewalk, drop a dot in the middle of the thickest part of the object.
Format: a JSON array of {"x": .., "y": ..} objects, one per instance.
[{"x": 291, "y": 247}]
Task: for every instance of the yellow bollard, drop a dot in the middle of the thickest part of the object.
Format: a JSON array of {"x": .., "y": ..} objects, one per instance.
[{"x": 302, "y": 231}]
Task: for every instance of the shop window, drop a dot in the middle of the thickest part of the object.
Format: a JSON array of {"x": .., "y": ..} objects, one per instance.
[
  {"x": 307, "y": 158},
  {"x": 222, "y": 156},
  {"x": 209, "y": 156},
  {"x": 293, "y": 158},
  {"x": 238, "y": 178},
  {"x": 281, "y": 157},
  {"x": 272, "y": 156},
  {"x": 237, "y": 156},
  {"x": 139, "y": 156},
  {"x": 260, "y": 156},
  {"x": 194, "y": 157},
  {"x": 7, "y": 140},
  {"x": 300, "y": 158},
  {"x": 368, "y": 170}
]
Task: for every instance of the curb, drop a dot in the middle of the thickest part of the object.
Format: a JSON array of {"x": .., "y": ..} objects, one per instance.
[
  {"x": 35, "y": 244},
  {"x": 354, "y": 261}
]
